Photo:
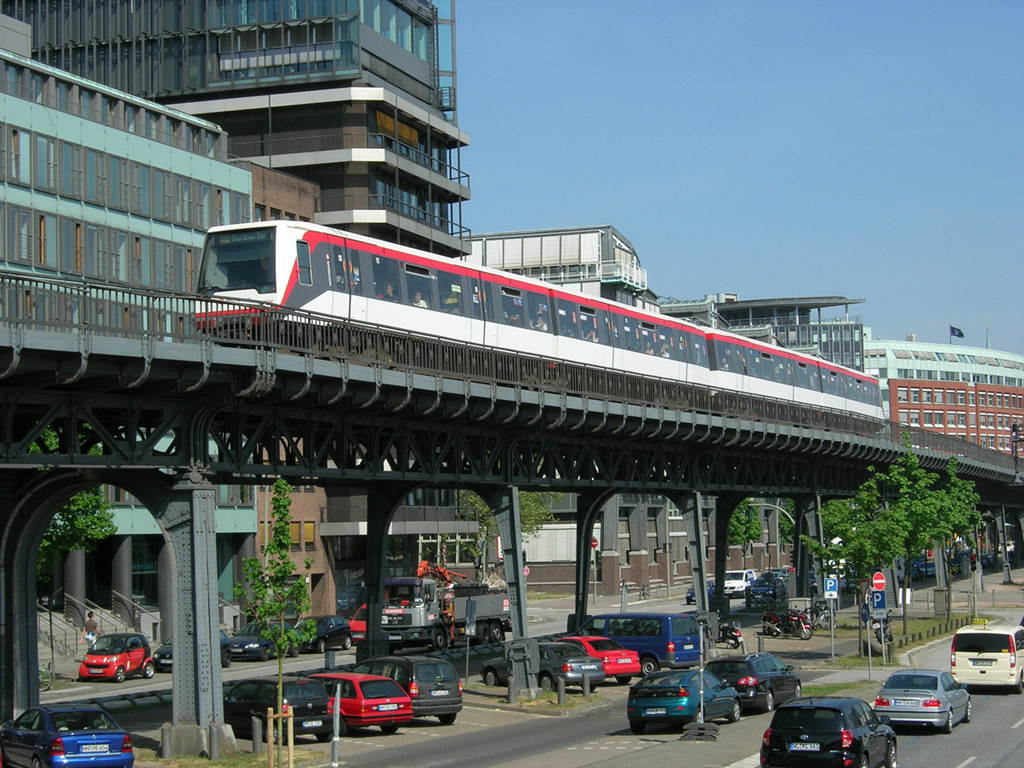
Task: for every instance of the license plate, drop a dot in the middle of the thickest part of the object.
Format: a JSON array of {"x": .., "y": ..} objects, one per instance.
[
  {"x": 440, "y": 692},
  {"x": 588, "y": 666},
  {"x": 983, "y": 662},
  {"x": 95, "y": 671},
  {"x": 804, "y": 746},
  {"x": 622, "y": 661},
  {"x": 312, "y": 723},
  {"x": 94, "y": 748},
  {"x": 905, "y": 702},
  {"x": 394, "y": 637},
  {"x": 655, "y": 711},
  {"x": 387, "y": 707}
]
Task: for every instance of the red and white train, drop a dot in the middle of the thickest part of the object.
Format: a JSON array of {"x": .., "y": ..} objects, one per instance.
[{"x": 298, "y": 265}]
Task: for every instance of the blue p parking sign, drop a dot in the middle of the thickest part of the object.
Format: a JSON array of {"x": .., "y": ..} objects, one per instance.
[
  {"x": 878, "y": 603},
  {"x": 831, "y": 588}
]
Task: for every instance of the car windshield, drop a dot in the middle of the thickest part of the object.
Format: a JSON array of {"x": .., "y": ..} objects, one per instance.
[
  {"x": 87, "y": 720},
  {"x": 916, "y": 682},
  {"x": 250, "y": 630},
  {"x": 566, "y": 651},
  {"x": 604, "y": 644},
  {"x": 108, "y": 644},
  {"x": 304, "y": 690},
  {"x": 381, "y": 689},
  {"x": 727, "y": 668},
  {"x": 977, "y": 642},
  {"x": 734, "y": 575}
]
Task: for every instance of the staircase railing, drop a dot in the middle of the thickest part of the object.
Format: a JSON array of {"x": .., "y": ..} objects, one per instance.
[{"x": 140, "y": 617}]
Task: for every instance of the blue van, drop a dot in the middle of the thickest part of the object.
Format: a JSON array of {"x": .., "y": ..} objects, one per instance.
[{"x": 661, "y": 639}]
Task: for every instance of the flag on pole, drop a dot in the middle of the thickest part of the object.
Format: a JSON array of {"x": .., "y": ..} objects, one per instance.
[{"x": 954, "y": 331}]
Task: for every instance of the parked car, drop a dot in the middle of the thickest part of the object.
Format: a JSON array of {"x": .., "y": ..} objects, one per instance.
[
  {"x": 163, "y": 657},
  {"x": 557, "y": 660},
  {"x": 330, "y": 632},
  {"x": 65, "y": 736},
  {"x": 924, "y": 697},
  {"x": 828, "y": 730},
  {"x": 921, "y": 568},
  {"x": 433, "y": 685},
  {"x": 620, "y": 663},
  {"x": 307, "y": 698},
  {"x": 249, "y": 643},
  {"x": 761, "y": 679},
  {"x": 117, "y": 656},
  {"x": 673, "y": 697},
  {"x": 367, "y": 700},
  {"x": 766, "y": 589}
]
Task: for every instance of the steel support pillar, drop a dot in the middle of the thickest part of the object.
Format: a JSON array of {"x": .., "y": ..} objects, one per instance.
[
  {"x": 808, "y": 523},
  {"x": 725, "y": 505},
  {"x": 197, "y": 715},
  {"x": 689, "y": 503},
  {"x": 588, "y": 508}
]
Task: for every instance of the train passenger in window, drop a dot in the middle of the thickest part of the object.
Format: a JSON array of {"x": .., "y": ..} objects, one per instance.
[
  {"x": 540, "y": 324},
  {"x": 388, "y": 294},
  {"x": 419, "y": 301},
  {"x": 452, "y": 304},
  {"x": 588, "y": 327}
]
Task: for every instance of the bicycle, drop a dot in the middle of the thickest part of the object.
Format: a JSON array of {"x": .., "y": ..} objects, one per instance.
[
  {"x": 45, "y": 677},
  {"x": 822, "y": 616}
]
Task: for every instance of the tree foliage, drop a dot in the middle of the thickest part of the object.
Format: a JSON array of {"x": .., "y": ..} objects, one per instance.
[
  {"x": 272, "y": 590},
  {"x": 534, "y": 513},
  {"x": 744, "y": 526}
]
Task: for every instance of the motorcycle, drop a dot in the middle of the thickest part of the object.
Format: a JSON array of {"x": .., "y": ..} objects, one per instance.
[
  {"x": 792, "y": 623},
  {"x": 730, "y": 634},
  {"x": 882, "y": 630}
]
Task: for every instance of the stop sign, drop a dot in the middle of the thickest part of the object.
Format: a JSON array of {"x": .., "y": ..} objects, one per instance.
[
  {"x": 878, "y": 581},
  {"x": 593, "y": 543}
]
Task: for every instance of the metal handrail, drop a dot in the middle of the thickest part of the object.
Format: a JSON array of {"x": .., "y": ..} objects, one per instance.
[
  {"x": 142, "y": 619},
  {"x": 64, "y": 636},
  {"x": 75, "y": 611},
  {"x": 34, "y": 303}
]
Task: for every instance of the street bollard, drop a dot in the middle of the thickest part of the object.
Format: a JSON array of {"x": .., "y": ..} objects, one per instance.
[
  {"x": 257, "y": 736},
  {"x": 512, "y": 692},
  {"x": 561, "y": 691},
  {"x": 586, "y": 686},
  {"x": 760, "y": 643}
]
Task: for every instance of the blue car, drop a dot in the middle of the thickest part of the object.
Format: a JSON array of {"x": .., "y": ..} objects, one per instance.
[
  {"x": 691, "y": 596},
  {"x": 65, "y": 737},
  {"x": 250, "y": 643},
  {"x": 672, "y": 697}
]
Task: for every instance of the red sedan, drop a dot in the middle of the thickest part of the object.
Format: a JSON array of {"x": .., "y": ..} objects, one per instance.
[
  {"x": 619, "y": 662},
  {"x": 368, "y": 700}
]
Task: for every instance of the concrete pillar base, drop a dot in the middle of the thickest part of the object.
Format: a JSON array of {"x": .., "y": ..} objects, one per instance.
[{"x": 190, "y": 740}]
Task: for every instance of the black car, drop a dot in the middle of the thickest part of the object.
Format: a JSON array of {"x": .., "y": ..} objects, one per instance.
[
  {"x": 432, "y": 684},
  {"x": 330, "y": 632},
  {"x": 250, "y": 643},
  {"x": 306, "y": 697},
  {"x": 163, "y": 657},
  {"x": 761, "y": 679},
  {"x": 828, "y": 731},
  {"x": 557, "y": 660}
]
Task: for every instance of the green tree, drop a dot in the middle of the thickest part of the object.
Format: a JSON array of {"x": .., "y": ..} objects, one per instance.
[
  {"x": 82, "y": 523},
  {"x": 744, "y": 526},
  {"x": 272, "y": 590},
  {"x": 960, "y": 516}
]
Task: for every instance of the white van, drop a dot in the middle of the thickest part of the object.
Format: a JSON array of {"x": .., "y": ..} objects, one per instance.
[{"x": 984, "y": 654}]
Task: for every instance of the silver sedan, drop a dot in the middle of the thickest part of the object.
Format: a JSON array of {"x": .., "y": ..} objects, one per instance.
[{"x": 924, "y": 697}]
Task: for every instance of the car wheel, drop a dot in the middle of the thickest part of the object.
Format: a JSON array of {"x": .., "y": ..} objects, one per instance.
[
  {"x": 321, "y": 646},
  {"x": 891, "y": 760},
  {"x": 36, "y": 762},
  {"x": 547, "y": 683},
  {"x": 623, "y": 679},
  {"x": 346, "y": 643},
  {"x": 119, "y": 675},
  {"x": 769, "y": 701},
  {"x": 637, "y": 727},
  {"x": 734, "y": 716},
  {"x": 389, "y": 729},
  {"x": 798, "y": 691},
  {"x": 324, "y": 736},
  {"x": 649, "y": 664},
  {"x": 967, "y": 713},
  {"x": 292, "y": 651},
  {"x": 225, "y": 659},
  {"x": 1019, "y": 687},
  {"x": 947, "y": 727},
  {"x": 448, "y": 719},
  {"x": 440, "y": 639},
  {"x": 497, "y": 632},
  {"x": 490, "y": 676},
  {"x": 264, "y": 653},
  {"x": 148, "y": 670}
]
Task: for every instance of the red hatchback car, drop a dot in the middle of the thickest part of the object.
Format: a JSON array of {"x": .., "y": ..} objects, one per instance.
[
  {"x": 620, "y": 663},
  {"x": 367, "y": 700},
  {"x": 117, "y": 656}
]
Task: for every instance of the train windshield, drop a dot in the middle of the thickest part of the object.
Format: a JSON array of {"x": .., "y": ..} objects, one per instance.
[{"x": 238, "y": 260}]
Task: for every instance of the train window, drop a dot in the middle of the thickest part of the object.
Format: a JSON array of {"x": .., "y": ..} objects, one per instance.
[
  {"x": 728, "y": 357},
  {"x": 648, "y": 339},
  {"x": 758, "y": 365},
  {"x": 588, "y": 327},
  {"x": 698, "y": 350},
  {"x": 665, "y": 345},
  {"x": 449, "y": 289},
  {"x": 386, "y": 285},
  {"x": 339, "y": 268},
  {"x": 538, "y": 312},
  {"x": 419, "y": 287},
  {"x": 305, "y": 269},
  {"x": 567, "y": 321},
  {"x": 512, "y": 308},
  {"x": 804, "y": 378},
  {"x": 629, "y": 333},
  {"x": 357, "y": 266},
  {"x": 479, "y": 299},
  {"x": 784, "y": 370}
]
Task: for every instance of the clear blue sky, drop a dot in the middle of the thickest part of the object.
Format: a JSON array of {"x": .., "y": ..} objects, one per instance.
[{"x": 867, "y": 149}]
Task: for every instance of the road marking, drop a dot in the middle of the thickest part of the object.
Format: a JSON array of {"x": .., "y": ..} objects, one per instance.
[
  {"x": 1018, "y": 724},
  {"x": 747, "y": 762},
  {"x": 967, "y": 762}
]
